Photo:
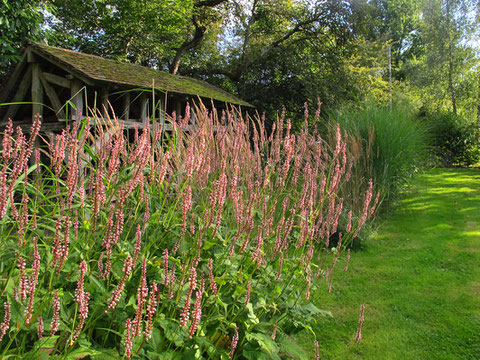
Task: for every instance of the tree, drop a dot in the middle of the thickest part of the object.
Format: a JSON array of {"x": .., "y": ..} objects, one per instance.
[
  {"x": 446, "y": 59},
  {"x": 155, "y": 33},
  {"x": 275, "y": 53},
  {"x": 19, "y": 19}
]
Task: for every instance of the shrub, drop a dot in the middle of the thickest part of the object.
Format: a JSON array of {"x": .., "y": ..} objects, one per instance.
[
  {"x": 180, "y": 245},
  {"x": 384, "y": 145},
  {"x": 454, "y": 139}
]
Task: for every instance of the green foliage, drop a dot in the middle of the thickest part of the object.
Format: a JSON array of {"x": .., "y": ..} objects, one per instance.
[
  {"x": 18, "y": 19},
  {"x": 144, "y": 32},
  {"x": 386, "y": 146},
  {"x": 454, "y": 139}
]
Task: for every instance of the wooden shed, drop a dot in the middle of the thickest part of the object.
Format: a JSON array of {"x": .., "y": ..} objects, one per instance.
[{"x": 62, "y": 84}]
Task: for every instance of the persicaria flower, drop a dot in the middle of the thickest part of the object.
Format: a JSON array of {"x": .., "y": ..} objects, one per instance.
[
  {"x": 117, "y": 294},
  {"x": 358, "y": 337},
  {"x": 82, "y": 298},
  {"x": 23, "y": 282},
  {"x": 317, "y": 351},
  {"x": 151, "y": 309},
  {"x": 185, "y": 315},
  {"x": 138, "y": 244},
  {"x": 40, "y": 327},
  {"x": 5, "y": 325},
  {"x": 233, "y": 346},
  {"x": 274, "y": 333},
  {"x": 197, "y": 309},
  {"x": 348, "y": 260},
  {"x": 56, "y": 313},
  {"x": 349, "y": 225},
  {"x": 142, "y": 293},
  {"x": 213, "y": 285},
  {"x": 128, "y": 339},
  {"x": 165, "y": 267},
  {"x": 247, "y": 297}
]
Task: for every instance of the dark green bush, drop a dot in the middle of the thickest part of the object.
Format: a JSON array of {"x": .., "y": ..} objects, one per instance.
[{"x": 454, "y": 139}]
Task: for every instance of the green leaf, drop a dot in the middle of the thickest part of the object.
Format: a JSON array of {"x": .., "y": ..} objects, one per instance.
[
  {"x": 266, "y": 343},
  {"x": 173, "y": 332},
  {"x": 290, "y": 347},
  {"x": 106, "y": 354},
  {"x": 80, "y": 353},
  {"x": 251, "y": 315}
]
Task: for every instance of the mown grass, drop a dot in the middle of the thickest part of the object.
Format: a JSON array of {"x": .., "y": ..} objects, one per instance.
[{"x": 418, "y": 276}]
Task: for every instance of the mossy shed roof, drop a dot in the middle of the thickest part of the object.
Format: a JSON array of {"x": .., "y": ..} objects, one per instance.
[{"x": 98, "y": 68}]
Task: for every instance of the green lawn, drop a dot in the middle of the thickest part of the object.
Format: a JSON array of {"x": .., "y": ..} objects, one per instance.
[{"x": 418, "y": 276}]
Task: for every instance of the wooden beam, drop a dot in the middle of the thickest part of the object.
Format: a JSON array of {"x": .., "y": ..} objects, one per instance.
[
  {"x": 37, "y": 91},
  {"x": 75, "y": 73},
  {"x": 126, "y": 106},
  {"x": 13, "y": 78},
  {"x": 57, "y": 80},
  {"x": 76, "y": 94},
  {"x": 20, "y": 94},
  {"x": 52, "y": 95}
]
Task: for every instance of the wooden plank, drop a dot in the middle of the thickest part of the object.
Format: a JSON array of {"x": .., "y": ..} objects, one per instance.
[
  {"x": 57, "y": 80},
  {"x": 20, "y": 94},
  {"x": 126, "y": 106},
  {"x": 13, "y": 78},
  {"x": 76, "y": 95},
  {"x": 52, "y": 95},
  {"x": 73, "y": 72},
  {"x": 37, "y": 91}
]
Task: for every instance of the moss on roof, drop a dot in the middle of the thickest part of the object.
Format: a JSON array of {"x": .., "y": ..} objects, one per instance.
[{"x": 98, "y": 68}]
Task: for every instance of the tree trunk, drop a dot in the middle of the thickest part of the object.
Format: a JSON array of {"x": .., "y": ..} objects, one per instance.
[
  {"x": 450, "y": 84},
  {"x": 478, "y": 98}
]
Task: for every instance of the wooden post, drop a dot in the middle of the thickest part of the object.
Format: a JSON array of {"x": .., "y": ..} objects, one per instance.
[
  {"x": 37, "y": 91},
  {"x": 143, "y": 108},
  {"x": 126, "y": 106},
  {"x": 161, "y": 111},
  {"x": 77, "y": 98},
  {"x": 104, "y": 102}
]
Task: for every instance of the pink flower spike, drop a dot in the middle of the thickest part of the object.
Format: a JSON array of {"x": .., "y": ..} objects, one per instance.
[
  {"x": 5, "y": 325},
  {"x": 358, "y": 337},
  {"x": 40, "y": 327},
  {"x": 56, "y": 314},
  {"x": 234, "y": 342},
  {"x": 151, "y": 309},
  {"x": 165, "y": 267},
  {"x": 128, "y": 339},
  {"x": 348, "y": 260}
]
